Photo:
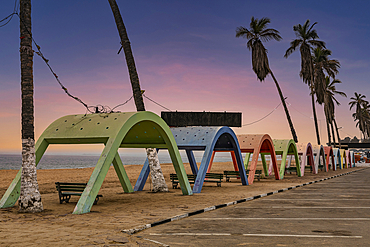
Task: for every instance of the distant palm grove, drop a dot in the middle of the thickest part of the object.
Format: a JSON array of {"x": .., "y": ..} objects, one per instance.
[{"x": 318, "y": 71}]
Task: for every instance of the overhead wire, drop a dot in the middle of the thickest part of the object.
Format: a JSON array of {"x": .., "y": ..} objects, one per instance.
[
  {"x": 10, "y": 17},
  {"x": 263, "y": 117},
  {"x": 156, "y": 102}
]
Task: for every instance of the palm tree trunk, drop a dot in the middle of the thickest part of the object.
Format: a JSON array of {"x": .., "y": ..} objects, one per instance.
[
  {"x": 285, "y": 108},
  {"x": 328, "y": 130},
  {"x": 332, "y": 131},
  {"x": 30, "y": 198},
  {"x": 159, "y": 184},
  {"x": 314, "y": 115},
  {"x": 336, "y": 128}
]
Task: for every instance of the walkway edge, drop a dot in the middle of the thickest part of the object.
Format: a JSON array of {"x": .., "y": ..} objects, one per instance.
[{"x": 177, "y": 217}]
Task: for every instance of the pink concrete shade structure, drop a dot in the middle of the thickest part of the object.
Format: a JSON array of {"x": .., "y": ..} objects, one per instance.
[
  {"x": 320, "y": 159},
  {"x": 329, "y": 154},
  {"x": 305, "y": 154},
  {"x": 349, "y": 159},
  {"x": 256, "y": 144}
]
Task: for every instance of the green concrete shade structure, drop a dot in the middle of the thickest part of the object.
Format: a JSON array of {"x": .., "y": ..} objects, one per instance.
[
  {"x": 258, "y": 144},
  {"x": 330, "y": 159},
  {"x": 320, "y": 159},
  {"x": 284, "y": 148},
  {"x": 305, "y": 153},
  {"x": 114, "y": 130}
]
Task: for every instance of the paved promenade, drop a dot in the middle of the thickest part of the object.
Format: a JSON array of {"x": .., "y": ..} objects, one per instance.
[{"x": 334, "y": 212}]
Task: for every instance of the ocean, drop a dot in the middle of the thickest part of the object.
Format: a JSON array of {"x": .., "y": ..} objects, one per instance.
[{"x": 14, "y": 162}]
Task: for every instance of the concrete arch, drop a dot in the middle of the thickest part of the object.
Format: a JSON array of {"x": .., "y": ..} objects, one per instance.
[
  {"x": 348, "y": 159},
  {"x": 329, "y": 157},
  {"x": 353, "y": 161},
  {"x": 207, "y": 139},
  {"x": 114, "y": 130},
  {"x": 284, "y": 148},
  {"x": 257, "y": 144},
  {"x": 344, "y": 159},
  {"x": 305, "y": 153},
  {"x": 320, "y": 159},
  {"x": 337, "y": 159}
]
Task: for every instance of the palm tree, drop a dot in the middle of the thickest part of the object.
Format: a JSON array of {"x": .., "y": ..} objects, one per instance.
[
  {"x": 362, "y": 113},
  {"x": 257, "y": 33},
  {"x": 329, "y": 106},
  {"x": 159, "y": 184},
  {"x": 306, "y": 38},
  {"x": 30, "y": 198},
  {"x": 322, "y": 63}
]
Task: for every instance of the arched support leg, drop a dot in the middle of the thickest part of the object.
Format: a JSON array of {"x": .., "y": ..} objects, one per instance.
[
  {"x": 198, "y": 184},
  {"x": 144, "y": 174},
  {"x": 246, "y": 160},
  {"x": 97, "y": 177},
  {"x": 122, "y": 175},
  {"x": 264, "y": 165},
  {"x": 180, "y": 169},
  {"x": 235, "y": 162},
  {"x": 211, "y": 162},
  {"x": 192, "y": 161},
  {"x": 12, "y": 193},
  {"x": 253, "y": 167}
]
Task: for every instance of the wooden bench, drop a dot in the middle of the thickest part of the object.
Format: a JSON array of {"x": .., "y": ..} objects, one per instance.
[
  {"x": 175, "y": 180},
  {"x": 210, "y": 177},
  {"x": 236, "y": 174},
  {"x": 66, "y": 190},
  {"x": 291, "y": 169}
]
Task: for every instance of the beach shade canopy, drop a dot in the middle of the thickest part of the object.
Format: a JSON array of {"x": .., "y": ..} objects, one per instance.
[
  {"x": 329, "y": 154},
  {"x": 207, "y": 139},
  {"x": 284, "y": 148},
  {"x": 320, "y": 160},
  {"x": 258, "y": 144},
  {"x": 114, "y": 130},
  {"x": 343, "y": 158},
  {"x": 337, "y": 159},
  {"x": 352, "y": 155},
  {"x": 305, "y": 154},
  {"x": 348, "y": 159}
]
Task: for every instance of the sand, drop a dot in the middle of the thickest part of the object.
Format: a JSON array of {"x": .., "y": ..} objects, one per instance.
[{"x": 117, "y": 210}]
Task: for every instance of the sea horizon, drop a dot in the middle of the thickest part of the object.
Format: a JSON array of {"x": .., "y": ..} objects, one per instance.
[{"x": 70, "y": 161}]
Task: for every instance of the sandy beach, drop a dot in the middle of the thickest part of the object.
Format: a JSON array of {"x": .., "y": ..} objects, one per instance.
[{"x": 116, "y": 210}]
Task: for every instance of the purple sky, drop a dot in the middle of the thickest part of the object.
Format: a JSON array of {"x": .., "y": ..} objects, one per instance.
[{"x": 187, "y": 57}]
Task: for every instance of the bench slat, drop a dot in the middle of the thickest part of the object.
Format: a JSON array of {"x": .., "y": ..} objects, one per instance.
[{"x": 66, "y": 190}]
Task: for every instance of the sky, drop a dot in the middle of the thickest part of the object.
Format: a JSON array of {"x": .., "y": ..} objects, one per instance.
[{"x": 187, "y": 58}]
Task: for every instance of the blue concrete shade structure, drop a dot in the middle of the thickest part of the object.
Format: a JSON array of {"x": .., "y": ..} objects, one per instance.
[
  {"x": 352, "y": 155},
  {"x": 114, "y": 130},
  {"x": 207, "y": 139},
  {"x": 337, "y": 159}
]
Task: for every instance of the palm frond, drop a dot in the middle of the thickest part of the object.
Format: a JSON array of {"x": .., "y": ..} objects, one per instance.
[
  {"x": 293, "y": 45},
  {"x": 269, "y": 34},
  {"x": 316, "y": 43}
]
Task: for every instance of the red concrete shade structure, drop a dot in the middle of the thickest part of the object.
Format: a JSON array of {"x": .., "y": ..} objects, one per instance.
[{"x": 329, "y": 153}]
